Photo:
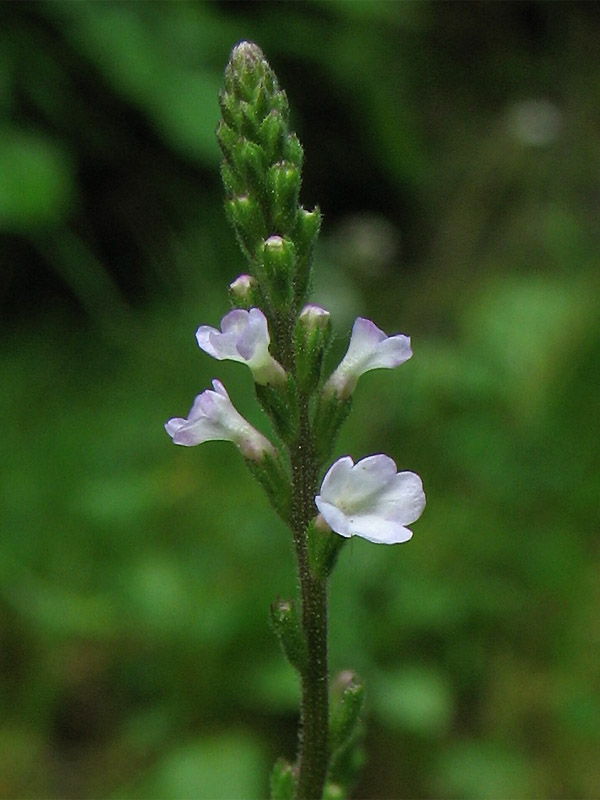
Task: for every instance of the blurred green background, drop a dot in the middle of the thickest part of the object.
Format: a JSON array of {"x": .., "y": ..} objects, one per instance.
[{"x": 454, "y": 149}]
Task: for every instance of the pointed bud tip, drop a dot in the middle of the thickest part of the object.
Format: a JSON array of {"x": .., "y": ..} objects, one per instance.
[
  {"x": 247, "y": 51},
  {"x": 274, "y": 242},
  {"x": 242, "y": 286},
  {"x": 347, "y": 681},
  {"x": 316, "y": 315}
]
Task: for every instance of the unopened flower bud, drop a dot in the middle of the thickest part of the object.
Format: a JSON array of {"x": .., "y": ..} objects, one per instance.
[
  {"x": 306, "y": 231},
  {"x": 324, "y": 547},
  {"x": 248, "y": 160},
  {"x": 279, "y": 262},
  {"x": 272, "y": 134},
  {"x": 283, "y": 185},
  {"x": 286, "y": 624},
  {"x": 315, "y": 318},
  {"x": 246, "y": 217},
  {"x": 294, "y": 152},
  {"x": 247, "y": 70},
  {"x": 312, "y": 337},
  {"x": 308, "y": 224},
  {"x": 348, "y": 696},
  {"x": 283, "y": 781},
  {"x": 244, "y": 292}
]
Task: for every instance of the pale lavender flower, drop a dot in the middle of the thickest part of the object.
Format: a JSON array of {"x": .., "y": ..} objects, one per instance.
[
  {"x": 244, "y": 337},
  {"x": 369, "y": 348},
  {"x": 370, "y": 499},
  {"x": 213, "y": 417}
]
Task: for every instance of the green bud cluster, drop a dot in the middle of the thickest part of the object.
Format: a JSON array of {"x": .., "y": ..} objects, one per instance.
[
  {"x": 262, "y": 174},
  {"x": 261, "y": 170}
]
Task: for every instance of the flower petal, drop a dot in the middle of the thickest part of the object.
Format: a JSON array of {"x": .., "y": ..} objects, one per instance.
[
  {"x": 403, "y": 500},
  {"x": 334, "y": 482},
  {"x": 173, "y": 425},
  {"x": 368, "y": 477},
  {"x": 369, "y": 349},
  {"x": 381, "y": 531},
  {"x": 207, "y": 338},
  {"x": 197, "y": 433},
  {"x": 371, "y": 499},
  {"x": 234, "y": 321},
  {"x": 254, "y": 339},
  {"x": 332, "y": 515},
  {"x": 244, "y": 337},
  {"x": 220, "y": 389},
  {"x": 364, "y": 339},
  {"x": 390, "y": 353},
  {"x": 214, "y": 417}
]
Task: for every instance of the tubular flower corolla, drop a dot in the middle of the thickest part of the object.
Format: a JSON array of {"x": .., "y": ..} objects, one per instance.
[
  {"x": 369, "y": 348},
  {"x": 213, "y": 417},
  {"x": 244, "y": 337}
]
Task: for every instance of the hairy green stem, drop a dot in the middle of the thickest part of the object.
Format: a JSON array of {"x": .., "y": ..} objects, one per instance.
[{"x": 313, "y": 745}]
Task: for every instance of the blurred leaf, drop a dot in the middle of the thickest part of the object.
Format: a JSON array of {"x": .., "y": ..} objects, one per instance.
[
  {"x": 219, "y": 768},
  {"x": 527, "y": 325},
  {"x": 36, "y": 187},
  {"x": 416, "y": 699},
  {"x": 485, "y": 770},
  {"x": 144, "y": 66}
]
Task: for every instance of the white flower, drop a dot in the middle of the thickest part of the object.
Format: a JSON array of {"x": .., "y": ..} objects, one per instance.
[
  {"x": 244, "y": 336},
  {"x": 370, "y": 499},
  {"x": 369, "y": 348},
  {"x": 213, "y": 417}
]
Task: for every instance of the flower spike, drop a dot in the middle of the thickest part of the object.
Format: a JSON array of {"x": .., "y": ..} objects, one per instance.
[
  {"x": 244, "y": 337},
  {"x": 369, "y": 348},
  {"x": 214, "y": 417},
  {"x": 370, "y": 499}
]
